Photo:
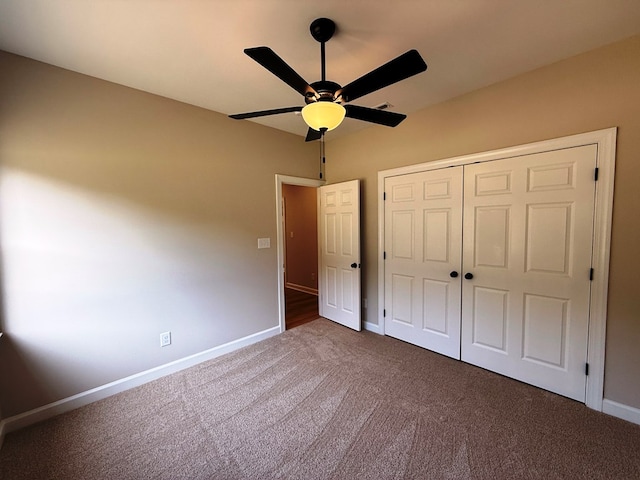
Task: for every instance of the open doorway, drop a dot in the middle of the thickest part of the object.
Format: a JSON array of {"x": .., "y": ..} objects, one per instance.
[
  {"x": 297, "y": 250},
  {"x": 299, "y": 207}
]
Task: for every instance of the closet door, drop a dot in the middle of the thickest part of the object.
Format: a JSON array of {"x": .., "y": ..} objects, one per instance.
[
  {"x": 423, "y": 247},
  {"x": 527, "y": 259}
]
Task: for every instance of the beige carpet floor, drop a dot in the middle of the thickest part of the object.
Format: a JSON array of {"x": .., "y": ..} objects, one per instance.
[{"x": 323, "y": 402}]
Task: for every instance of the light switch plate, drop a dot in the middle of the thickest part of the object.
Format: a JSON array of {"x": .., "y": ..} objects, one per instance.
[{"x": 264, "y": 243}]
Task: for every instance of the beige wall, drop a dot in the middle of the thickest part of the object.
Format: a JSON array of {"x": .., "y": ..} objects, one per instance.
[
  {"x": 124, "y": 215},
  {"x": 301, "y": 236},
  {"x": 596, "y": 90}
]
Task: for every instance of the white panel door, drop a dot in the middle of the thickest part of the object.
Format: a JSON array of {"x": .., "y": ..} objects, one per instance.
[
  {"x": 339, "y": 253},
  {"x": 423, "y": 248},
  {"x": 527, "y": 245}
]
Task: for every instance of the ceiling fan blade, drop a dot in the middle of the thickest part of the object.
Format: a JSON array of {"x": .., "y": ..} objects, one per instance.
[
  {"x": 313, "y": 135},
  {"x": 404, "y": 66},
  {"x": 272, "y": 62},
  {"x": 373, "y": 115},
  {"x": 264, "y": 113}
]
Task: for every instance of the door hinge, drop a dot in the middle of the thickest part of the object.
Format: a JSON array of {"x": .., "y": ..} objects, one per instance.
[
  {"x": 384, "y": 255},
  {"x": 384, "y": 196},
  {"x": 586, "y": 369},
  {"x": 384, "y": 312},
  {"x": 595, "y": 175},
  {"x": 591, "y": 274}
]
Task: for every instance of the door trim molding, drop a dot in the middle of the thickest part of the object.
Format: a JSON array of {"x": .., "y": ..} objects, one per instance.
[
  {"x": 285, "y": 180},
  {"x": 605, "y": 140}
]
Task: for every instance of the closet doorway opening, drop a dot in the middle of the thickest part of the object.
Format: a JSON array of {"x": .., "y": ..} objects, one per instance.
[{"x": 585, "y": 164}]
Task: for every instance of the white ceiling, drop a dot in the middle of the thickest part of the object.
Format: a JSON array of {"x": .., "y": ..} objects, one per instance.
[{"x": 192, "y": 50}]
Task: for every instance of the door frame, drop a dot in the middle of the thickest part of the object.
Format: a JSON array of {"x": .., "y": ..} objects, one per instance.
[
  {"x": 606, "y": 143},
  {"x": 286, "y": 180}
]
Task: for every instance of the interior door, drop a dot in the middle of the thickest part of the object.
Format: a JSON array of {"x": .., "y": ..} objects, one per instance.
[
  {"x": 339, "y": 253},
  {"x": 527, "y": 259},
  {"x": 423, "y": 250}
]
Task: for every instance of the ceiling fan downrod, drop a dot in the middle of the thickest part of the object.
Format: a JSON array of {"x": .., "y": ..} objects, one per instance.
[{"x": 322, "y": 30}]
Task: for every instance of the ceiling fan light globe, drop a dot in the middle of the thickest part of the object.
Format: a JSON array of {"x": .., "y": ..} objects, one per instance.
[{"x": 320, "y": 115}]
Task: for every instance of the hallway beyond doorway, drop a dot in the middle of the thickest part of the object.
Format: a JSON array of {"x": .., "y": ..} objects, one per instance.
[{"x": 300, "y": 307}]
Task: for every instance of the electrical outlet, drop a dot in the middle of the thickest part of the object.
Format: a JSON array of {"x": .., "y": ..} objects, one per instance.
[{"x": 165, "y": 339}]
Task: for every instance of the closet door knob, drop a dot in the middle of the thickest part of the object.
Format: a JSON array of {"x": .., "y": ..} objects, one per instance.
[
  {"x": 468, "y": 276},
  {"x": 453, "y": 274}
]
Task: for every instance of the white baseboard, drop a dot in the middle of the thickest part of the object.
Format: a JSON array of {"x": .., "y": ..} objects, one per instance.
[
  {"x": 50, "y": 410},
  {"x": 302, "y": 288},
  {"x": 630, "y": 414},
  {"x": 373, "y": 327}
]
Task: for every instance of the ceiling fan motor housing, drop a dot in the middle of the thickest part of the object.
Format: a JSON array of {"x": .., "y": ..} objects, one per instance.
[{"x": 326, "y": 91}]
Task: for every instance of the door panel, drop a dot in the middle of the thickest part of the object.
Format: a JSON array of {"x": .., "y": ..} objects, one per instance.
[
  {"x": 339, "y": 245},
  {"x": 490, "y": 318},
  {"x": 544, "y": 222},
  {"x": 545, "y": 330},
  {"x": 423, "y": 246},
  {"x": 491, "y": 245},
  {"x": 527, "y": 242},
  {"x": 435, "y": 294}
]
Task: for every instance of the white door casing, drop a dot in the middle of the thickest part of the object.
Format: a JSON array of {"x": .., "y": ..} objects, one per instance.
[
  {"x": 527, "y": 243},
  {"x": 339, "y": 253},
  {"x": 423, "y": 251},
  {"x": 604, "y": 141}
]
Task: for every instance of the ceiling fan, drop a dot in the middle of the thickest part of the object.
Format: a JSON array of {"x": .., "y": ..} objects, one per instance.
[{"x": 327, "y": 103}]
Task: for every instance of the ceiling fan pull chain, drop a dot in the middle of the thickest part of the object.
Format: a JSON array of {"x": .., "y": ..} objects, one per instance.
[{"x": 323, "y": 159}]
